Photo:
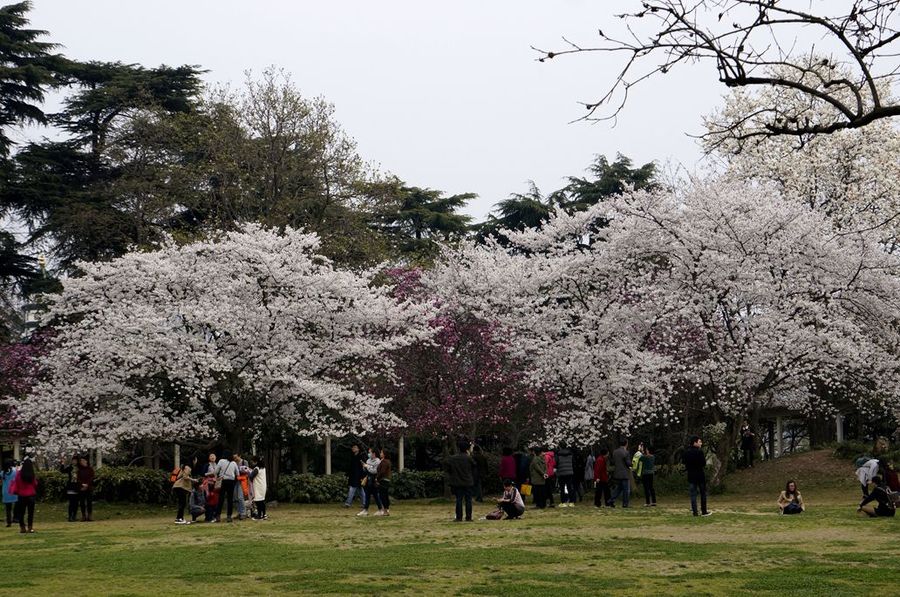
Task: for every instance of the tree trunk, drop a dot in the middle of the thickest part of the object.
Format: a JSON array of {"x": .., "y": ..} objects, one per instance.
[{"x": 724, "y": 449}]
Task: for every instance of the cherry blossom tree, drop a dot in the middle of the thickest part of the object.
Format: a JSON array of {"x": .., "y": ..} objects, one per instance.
[
  {"x": 250, "y": 333},
  {"x": 852, "y": 175},
  {"x": 462, "y": 380},
  {"x": 733, "y": 295},
  {"x": 19, "y": 371}
]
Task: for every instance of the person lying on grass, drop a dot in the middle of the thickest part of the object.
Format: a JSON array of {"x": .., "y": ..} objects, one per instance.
[
  {"x": 790, "y": 500},
  {"x": 511, "y": 502},
  {"x": 885, "y": 505}
]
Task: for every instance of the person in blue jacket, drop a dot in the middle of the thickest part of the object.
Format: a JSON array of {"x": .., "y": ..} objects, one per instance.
[{"x": 9, "y": 500}]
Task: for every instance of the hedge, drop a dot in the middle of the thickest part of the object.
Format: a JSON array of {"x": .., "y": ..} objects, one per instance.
[
  {"x": 113, "y": 484},
  {"x": 851, "y": 450},
  {"x": 314, "y": 489}
]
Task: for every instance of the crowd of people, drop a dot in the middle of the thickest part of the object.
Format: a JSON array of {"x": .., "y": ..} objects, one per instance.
[
  {"x": 220, "y": 485},
  {"x": 236, "y": 487},
  {"x": 370, "y": 479}
]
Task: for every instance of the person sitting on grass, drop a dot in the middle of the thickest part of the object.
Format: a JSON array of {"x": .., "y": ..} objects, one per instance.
[
  {"x": 790, "y": 500},
  {"x": 885, "y": 505},
  {"x": 511, "y": 502}
]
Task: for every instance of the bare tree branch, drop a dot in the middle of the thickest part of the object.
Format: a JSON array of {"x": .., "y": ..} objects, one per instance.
[{"x": 749, "y": 41}]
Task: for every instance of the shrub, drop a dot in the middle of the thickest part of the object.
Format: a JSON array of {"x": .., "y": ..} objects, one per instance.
[
  {"x": 312, "y": 489},
  {"x": 113, "y": 484},
  {"x": 410, "y": 485},
  {"x": 51, "y": 486},
  {"x": 851, "y": 450}
]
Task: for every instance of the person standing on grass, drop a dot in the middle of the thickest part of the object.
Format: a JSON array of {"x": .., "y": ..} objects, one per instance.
[
  {"x": 602, "y": 495},
  {"x": 24, "y": 487},
  {"x": 621, "y": 475},
  {"x": 71, "y": 473},
  {"x": 648, "y": 473},
  {"x": 241, "y": 487},
  {"x": 883, "y": 506},
  {"x": 383, "y": 483},
  {"x": 511, "y": 501},
  {"x": 260, "y": 486},
  {"x": 538, "y": 474},
  {"x": 589, "y": 470},
  {"x": 226, "y": 478},
  {"x": 790, "y": 501},
  {"x": 371, "y": 468},
  {"x": 508, "y": 469},
  {"x": 355, "y": 476},
  {"x": 86, "y": 489},
  {"x": 565, "y": 472},
  {"x": 550, "y": 487},
  {"x": 182, "y": 488},
  {"x": 209, "y": 469},
  {"x": 9, "y": 498},
  {"x": 480, "y": 470},
  {"x": 748, "y": 445},
  {"x": 695, "y": 464},
  {"x": 461, "y": 477}
]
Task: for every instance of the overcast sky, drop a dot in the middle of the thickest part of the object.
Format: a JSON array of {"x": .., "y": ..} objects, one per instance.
[{"x": 444, "y": 95}]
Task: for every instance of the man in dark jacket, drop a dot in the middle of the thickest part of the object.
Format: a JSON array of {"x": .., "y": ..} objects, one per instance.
[
  {"x": 565, "y": 472},
  {"x": 459, "y": 469},
  {"x": 355, "y": 475},
  {"x": 695, "y": 465},
  {"x": 621, "y": 474}
]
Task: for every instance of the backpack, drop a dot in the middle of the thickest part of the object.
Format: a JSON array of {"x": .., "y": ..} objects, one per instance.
[
  {"x": 895, "y": 497},
  {"x": 173, "y": 476},
  {"x": 861, "y": 461}
]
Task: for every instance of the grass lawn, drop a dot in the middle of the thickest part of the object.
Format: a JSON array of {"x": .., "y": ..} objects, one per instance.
[{"x": 743, "y": 549}]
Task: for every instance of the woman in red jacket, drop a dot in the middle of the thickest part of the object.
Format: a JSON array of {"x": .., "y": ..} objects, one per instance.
[
  {"x": 25, "y": 487},
  {"x": 86, "y": 489},
  {"x": 602, "y": 493},
  {"x": 507, "y": 465}
]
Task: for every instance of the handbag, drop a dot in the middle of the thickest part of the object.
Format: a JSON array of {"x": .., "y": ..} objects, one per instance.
[
  {"x": 526, "y": 489},
  {"x": 364, "y": 481},
  {"x": 495, "y": 515}
]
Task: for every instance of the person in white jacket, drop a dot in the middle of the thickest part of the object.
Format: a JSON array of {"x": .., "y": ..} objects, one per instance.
[
  {"x": 258, "y": 487},
  {"x": 866, "y": 473}
]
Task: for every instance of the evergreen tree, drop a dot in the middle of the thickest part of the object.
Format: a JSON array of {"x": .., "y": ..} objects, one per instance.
[
  {"x": 27, "y": 70},
  {"x": 416, "y": 217},
  {"x": 68, "y": 191},
  {"x": 609, "y": 179}
]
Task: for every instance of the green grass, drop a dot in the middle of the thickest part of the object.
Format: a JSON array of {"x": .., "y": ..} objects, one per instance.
[{"x": 743, "y": 549}]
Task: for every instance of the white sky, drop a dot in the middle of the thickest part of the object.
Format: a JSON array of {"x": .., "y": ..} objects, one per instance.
[{"x": 444, "y": 95}]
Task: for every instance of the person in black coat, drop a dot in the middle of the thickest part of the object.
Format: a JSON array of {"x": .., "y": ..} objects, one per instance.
[
  {"x": 695, "y": 464},
  {"x": 460, "y": 476},
  {"x": 355, "y": 475}
]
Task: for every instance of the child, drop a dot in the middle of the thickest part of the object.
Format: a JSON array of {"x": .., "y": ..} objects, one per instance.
[
  {"x": 241, "y": 486},
  {"x": 258, "y": 480},
  {"x": 9, "y": 499},
  {"x": 212, "y": 501}
]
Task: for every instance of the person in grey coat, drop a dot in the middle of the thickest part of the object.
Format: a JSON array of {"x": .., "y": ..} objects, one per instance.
[{"x": 621, "y": 475}]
